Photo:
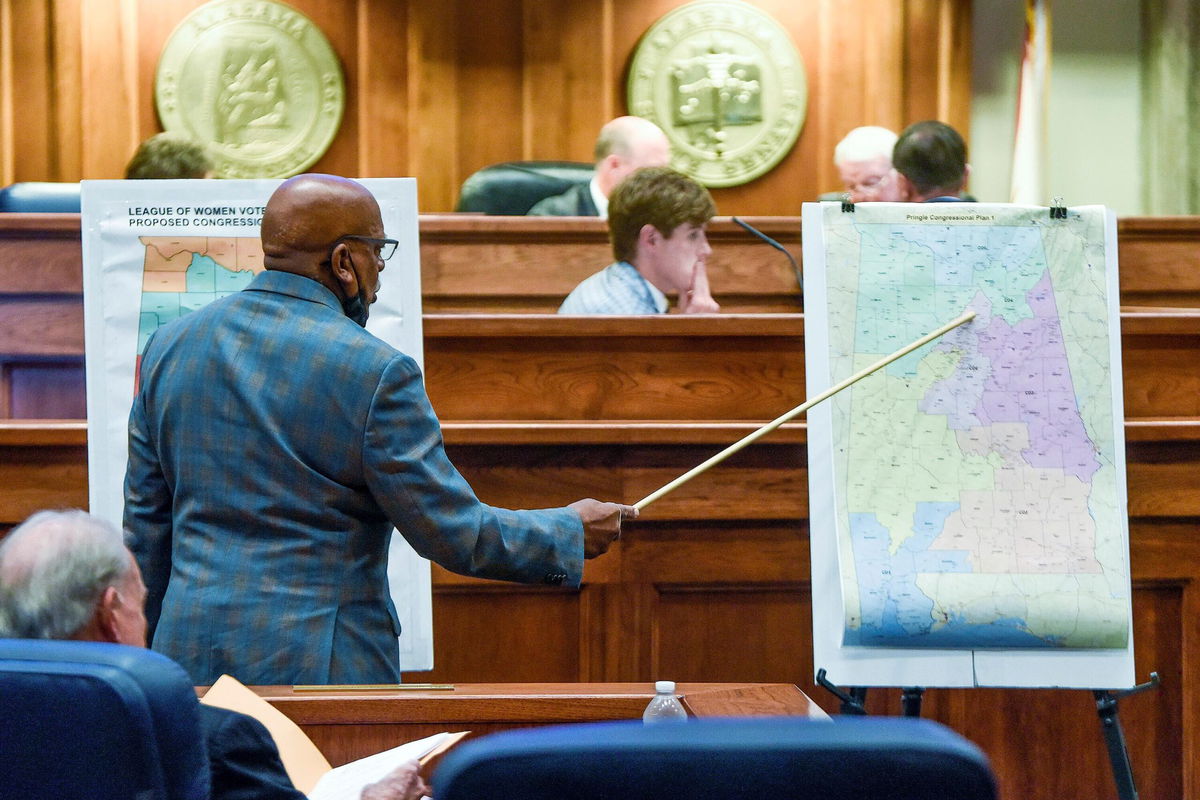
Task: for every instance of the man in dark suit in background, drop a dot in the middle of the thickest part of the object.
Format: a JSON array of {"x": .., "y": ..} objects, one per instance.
[
  {"x": 931, "y": 159},
  {"x": 68, "y": 575},
  {"x": 624, "y": 145}
]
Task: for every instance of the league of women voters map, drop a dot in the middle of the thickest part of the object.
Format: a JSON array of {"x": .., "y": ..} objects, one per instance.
[
  {"x": 154, "y": 251},
  {"x": 184, "y": 273},
  {"x": 975, "y": 487}
]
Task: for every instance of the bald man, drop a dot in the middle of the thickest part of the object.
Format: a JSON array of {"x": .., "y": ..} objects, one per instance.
[
  {"x": 625, "y": 144},
  {"x": 273, "y": 445}
]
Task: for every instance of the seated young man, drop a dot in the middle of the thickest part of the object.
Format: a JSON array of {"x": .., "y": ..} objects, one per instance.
[{"x": 656, "y": 222}]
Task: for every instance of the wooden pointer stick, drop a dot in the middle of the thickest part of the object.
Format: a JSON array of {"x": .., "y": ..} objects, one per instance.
[{"x": 805, "y": 406}]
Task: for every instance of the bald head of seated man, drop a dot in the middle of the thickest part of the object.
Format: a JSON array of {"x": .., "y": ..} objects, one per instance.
[
  {"x": 864, "y": 163},
  {"x": 68, "y": 575},
  {"x": 624, "y": 145}
]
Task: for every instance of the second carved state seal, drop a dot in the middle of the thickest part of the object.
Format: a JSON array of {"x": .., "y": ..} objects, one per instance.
[
  {"x": 257, "y": 82},
  {"x": 724, "y": 81}
]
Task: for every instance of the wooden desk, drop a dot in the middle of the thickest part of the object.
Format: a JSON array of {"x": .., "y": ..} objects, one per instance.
[
  {"x": 529, "y": 264},
  {"x": 346, "y": 725}
]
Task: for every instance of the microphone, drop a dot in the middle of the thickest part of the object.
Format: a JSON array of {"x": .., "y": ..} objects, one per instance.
[{"x": 777, "y": 246}]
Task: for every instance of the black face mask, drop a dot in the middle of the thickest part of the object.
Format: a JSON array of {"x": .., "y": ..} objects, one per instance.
[{"x": 354, "y": 307}]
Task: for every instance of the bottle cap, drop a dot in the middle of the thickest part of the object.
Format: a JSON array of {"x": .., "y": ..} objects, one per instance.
[{"x": 664, "y": 687}]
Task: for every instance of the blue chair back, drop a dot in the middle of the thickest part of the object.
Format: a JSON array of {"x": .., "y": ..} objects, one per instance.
[
  {"x": 97, "y": 722},
  {"x": 35, "y": 197},
  {"x": 514, "y": 187},
  {"x": 762, "y": 758}
]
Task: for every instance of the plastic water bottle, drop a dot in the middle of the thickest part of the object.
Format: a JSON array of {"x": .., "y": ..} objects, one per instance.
[{"x": 665, "y": 707}]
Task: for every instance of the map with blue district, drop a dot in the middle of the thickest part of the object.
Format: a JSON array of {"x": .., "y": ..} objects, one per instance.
[
  {"x": 978, "y": 482},
  {"x": 184, "y": 273}
]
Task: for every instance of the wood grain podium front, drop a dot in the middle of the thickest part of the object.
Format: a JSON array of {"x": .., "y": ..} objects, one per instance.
[{"x": 353, "y": 723}]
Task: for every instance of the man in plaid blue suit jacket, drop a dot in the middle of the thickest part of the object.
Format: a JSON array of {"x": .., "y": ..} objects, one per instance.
[{"x": 273, "y": 444}]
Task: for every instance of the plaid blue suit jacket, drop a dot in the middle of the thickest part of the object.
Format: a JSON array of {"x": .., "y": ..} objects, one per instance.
[{"x": 273, "y": 444}]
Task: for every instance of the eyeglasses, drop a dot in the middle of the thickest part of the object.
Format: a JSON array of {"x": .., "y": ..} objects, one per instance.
[
  {"x": 384, "y": 248},
  {"x": 870, "y": 184}
]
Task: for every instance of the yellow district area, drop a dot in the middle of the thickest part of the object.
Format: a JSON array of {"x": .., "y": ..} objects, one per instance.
[
  {"x": 899, "y": 455},
  {"x": 168, "y": 258}
]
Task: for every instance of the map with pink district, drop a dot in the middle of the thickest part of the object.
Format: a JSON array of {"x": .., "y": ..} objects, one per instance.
[{"x": 978, "y": 483}]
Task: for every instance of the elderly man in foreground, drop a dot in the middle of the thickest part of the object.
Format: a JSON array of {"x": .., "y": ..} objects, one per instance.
[{"x": 68, "y": 575}]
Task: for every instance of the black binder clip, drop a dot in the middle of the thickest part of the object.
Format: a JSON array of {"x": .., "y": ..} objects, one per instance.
[
  {"x": 1058, "y": 210},
  {"x": 847, "y": 204}
]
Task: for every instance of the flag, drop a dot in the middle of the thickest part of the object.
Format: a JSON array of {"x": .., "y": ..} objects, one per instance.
[{"x": 1029, "y": 141}]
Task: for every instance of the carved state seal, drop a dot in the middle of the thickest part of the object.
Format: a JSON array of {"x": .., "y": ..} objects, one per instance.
[
  {"x": 257, "y": 82},
  {"x": 724, "y": 81}
]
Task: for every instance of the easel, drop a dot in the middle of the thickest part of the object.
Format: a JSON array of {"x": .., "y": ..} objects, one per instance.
[{"x": 853, "y": 703}]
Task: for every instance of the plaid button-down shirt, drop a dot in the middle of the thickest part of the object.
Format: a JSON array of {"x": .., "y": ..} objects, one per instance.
[{"x": 617, "y": 289}]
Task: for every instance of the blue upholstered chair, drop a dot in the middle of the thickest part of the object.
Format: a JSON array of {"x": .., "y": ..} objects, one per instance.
[
  {"x": 513, "y": 187},
  {"x": 97, "y": 721},
  {"x": 762, "y": 758},
  {"x": 35, "y": 197}
]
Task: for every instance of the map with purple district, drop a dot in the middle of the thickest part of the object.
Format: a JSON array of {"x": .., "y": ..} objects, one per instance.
[{"x": 976, "y": 486}]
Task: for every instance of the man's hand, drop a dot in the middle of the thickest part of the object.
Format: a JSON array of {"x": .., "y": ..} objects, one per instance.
[
  {"x": 698, "y": 299},
  {"x": 601, "y": 524},
  {"x": 402, "y": 783}
]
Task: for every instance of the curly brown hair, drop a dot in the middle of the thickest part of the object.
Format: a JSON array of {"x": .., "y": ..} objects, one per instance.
[{"x": 657, "y": 196}]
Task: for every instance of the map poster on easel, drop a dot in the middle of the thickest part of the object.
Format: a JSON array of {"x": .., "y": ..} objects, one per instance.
[
  {"x": 154, "y": 250},
  {"x": 967, "y": 503}
]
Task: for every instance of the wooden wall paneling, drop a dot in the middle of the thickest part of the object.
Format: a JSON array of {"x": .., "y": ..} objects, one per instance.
[
  {"x": 566, "y": 51},
  {"x": 1159, "y": 261},
  {"x": 50, "y": 389},
  {"x": 112, "y": 94},
  {"x": 434, "y": 134},
  {"x": 5, "y": 390},
  {"x": 531, "y": 634},
  {"x": 955, "y": 105},
  {"x": 1159, "y": 356},
  {"x": 67, "y": 90},
  {"x": 629, "y": 650},
  {"x": 1162, "y": 476},
  {"x": 490, "y": 52},
  {"x": 156, "y": 21},
  {"x": 660, "y": 373},
  {"x": 7, "y": 147},
  {"x": 1189, "y": 644},
  {"x": 339, "y": 21},
  {"x": 879, "y": 47},
  {"x": 29, "y": 70},
  {"x": 384, "y": 72},
  {"x": 43, "y": 464},
  {"x": 430, "y": 96},
  {"x": 734, "y": 630},
  {"x": 937, "y": 62},
  {"x": 857, "y": 83}
]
